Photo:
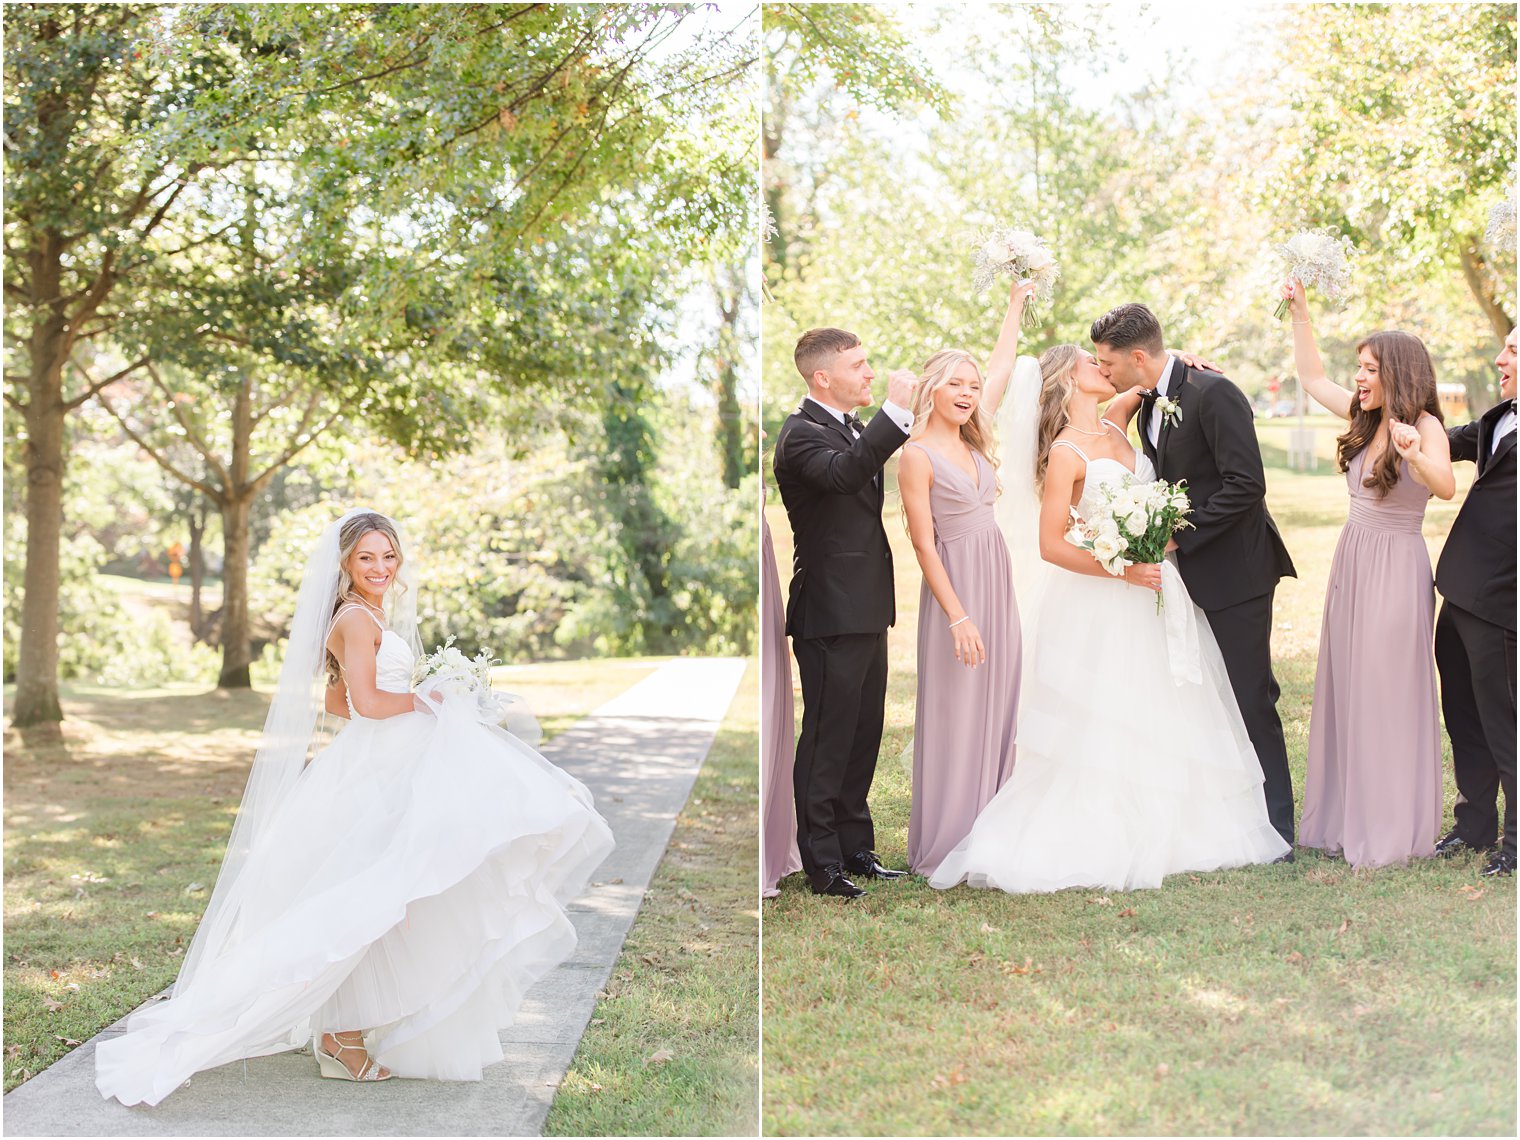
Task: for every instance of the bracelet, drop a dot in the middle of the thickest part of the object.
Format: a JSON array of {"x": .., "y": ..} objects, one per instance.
[
  {"x": 958, "y": 621},
  {"x": 1303, "y": 322}
]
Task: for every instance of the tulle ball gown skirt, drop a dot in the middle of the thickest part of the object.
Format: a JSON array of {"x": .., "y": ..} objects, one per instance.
[
  {"x": 1124, "y": 775},
  {"x": 413, "y": 886}
]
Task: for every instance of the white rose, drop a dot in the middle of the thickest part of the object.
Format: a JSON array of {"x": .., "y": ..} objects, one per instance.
[
  {"x": 1108, "y": 529},
  {"x": 1136, "y": 520},
  {"x": 1040, "y": 259},
  {"x": 1106, "y": 549},
  {"x": 995, "y": 251}
]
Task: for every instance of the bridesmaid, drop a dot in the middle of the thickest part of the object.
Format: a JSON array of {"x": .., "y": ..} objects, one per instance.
[
  {"x": 969, "y": 649},
  {"x": 1373, "y": 791},
  {"x": 778, "y": 832}
]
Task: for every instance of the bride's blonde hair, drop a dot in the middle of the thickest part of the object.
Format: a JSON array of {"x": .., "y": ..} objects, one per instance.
[
  {"x": 1056, "y": 387},
  {"x": 349, "y": 535}
]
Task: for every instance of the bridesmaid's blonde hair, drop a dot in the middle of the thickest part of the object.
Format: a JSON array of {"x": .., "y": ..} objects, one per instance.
[{"x": 936, "y": 373}]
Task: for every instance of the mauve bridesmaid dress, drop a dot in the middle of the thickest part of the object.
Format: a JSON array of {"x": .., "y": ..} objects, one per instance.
[
  {"x": 966, "y": 718},
  {"x": 778, "y": 745},
  {"x": 1373, "y": 790}
]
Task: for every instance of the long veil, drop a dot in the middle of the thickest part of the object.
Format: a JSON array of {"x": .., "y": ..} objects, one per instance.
[
  {"x": 290, "y": 731},
  {"x": 1018, "y": 507}
]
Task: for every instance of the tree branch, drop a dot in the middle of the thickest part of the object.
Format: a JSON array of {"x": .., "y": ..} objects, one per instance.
[
  {"x": 191, "y": 436},
  {"x": 212, "y": 493},
  {"x": 93, "y": 388}
]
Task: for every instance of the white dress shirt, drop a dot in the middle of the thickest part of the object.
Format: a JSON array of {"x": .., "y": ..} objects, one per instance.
[
  {"x": 899, "y": 416},
  {"x": 1503, "y": 428},
  {"x": 1153, "y": 425}
]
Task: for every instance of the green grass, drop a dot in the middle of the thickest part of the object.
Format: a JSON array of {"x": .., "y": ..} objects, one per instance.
[
  {"x": 1292, "y": 1000},
  {"x": 112, "y": 825},
  {"x": 671, "y": 1050}
]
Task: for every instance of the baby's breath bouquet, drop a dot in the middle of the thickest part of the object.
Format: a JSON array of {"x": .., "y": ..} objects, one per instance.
[
  {"x": 1321, "y": 258},
  {"x": 456, "y": 676},
  {"x": 1500, "y": 233},
  {"x": 1133, "y": 523},
  {"x": 1010, "y": 252}
]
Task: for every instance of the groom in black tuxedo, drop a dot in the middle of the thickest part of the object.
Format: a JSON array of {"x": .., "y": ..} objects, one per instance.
[
  {"x": 1475, "y": 632},
  {"x": 828, "y": 468},
  {"x": 1232, "y": 558}
]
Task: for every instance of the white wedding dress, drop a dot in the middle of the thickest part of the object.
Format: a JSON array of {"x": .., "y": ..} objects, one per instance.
[
  {"x": 1133, "y": 762},
  {"x": 412, "y": 884}
]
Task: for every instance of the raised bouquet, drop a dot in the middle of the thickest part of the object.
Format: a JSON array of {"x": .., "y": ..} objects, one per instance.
[
  {"x": 1009, "y": 252},
  {"x": 448, "y": 671},
  {"x": 1133, "y": 523},
  {"x": 1318, "y": 258}
]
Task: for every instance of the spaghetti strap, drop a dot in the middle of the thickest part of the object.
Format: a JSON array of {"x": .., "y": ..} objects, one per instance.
[
  {"x": 343, "y": 609},
  {"x": 1113, "y": 425},
  {"x": 1074, "y": 447}
]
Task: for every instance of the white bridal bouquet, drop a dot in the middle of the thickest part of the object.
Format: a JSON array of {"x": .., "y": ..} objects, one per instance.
[
  {"x": 1133, "y": 523},
  {"x": 1009, "y": 252},
  {"x": 448, "y": 670},
  {"x": 1320, "y": 258}
]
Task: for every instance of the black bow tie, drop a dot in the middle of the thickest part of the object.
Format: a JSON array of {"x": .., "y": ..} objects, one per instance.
[
  {"x": 851, "y": 420},
  {"x": 1149, "y": 396}
]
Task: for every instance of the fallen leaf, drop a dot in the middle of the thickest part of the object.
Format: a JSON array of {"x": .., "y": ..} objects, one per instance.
[
  {"x": 1162, "y": 1070},
  {"x": 615, "y": 882},
  {"x": 1127, "y": 912},
  {"x": 69, "y": 1041},
  {"x": 52, "y": 1006},
  {"x": 945, "y": 1080},
  {"x": 659, "y": 1057},
  {"x": 1294, "y": 957},
  {"x": 595, "y": 1087},
  {"x": 136, "y": 965},
  {"x": 13, "y": 1050},
  {"x": 598, "y": 1020},
  {"x": 153, "y": 914},
  {"x": 54, "y": 973},
  {"x": 1102, "y": 900},
  {"x": 988, "y": 928},
  {"x": 1344, "y": 926},
  {"x": 1477, "y": 894}
]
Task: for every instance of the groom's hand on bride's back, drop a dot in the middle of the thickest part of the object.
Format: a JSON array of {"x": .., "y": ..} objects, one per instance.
[{"x": 900, "y": 385}]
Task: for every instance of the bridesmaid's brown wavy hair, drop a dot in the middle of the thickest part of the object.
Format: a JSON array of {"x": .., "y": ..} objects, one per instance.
[{"x": 1408, "y": 379}]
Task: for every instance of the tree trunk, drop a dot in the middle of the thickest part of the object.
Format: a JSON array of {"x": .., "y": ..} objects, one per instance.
[
  {"x": 236, "y": 653},
  {"x": 236, "y": 542},
  {"x": 726, "y": 364},
  {"x": 37, "y": 659},
  {"x": 1475, "y": 271},
  {"x": 45, "y": 456},
  {"x": 197, "y": 561}
]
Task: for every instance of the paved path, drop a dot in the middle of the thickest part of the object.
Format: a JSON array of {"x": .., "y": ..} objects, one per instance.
[{"x": 639, "y": 755}]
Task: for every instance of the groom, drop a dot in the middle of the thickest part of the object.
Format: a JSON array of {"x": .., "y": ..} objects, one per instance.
[
  {"x": 1233, "y": 557},
  {"x": 828, "y": 468}
]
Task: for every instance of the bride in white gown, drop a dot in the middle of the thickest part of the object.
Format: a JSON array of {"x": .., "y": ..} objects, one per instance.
[
  {"x": 391, "y": 898},
  {"x": 1133, "y": 761}
]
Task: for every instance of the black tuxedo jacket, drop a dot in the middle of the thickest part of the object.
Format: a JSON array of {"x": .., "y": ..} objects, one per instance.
[
  {"x": 1477, "y": 567},
  {"x": 832, "y": 487},
  {"x": 1233, "y": 551}
]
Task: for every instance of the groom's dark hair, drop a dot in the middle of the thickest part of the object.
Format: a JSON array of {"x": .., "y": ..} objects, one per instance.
[
  {"x": 1129, "y": 326},
  {"x": 817, "y": 348}
]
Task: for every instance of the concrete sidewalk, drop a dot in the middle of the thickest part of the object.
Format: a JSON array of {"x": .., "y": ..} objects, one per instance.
[{"x": 639, "y": 754}]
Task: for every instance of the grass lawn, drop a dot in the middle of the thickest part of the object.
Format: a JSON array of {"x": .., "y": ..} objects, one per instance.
[
  {"x": 114, "y": 834},
  {"x": 671, "y": 1050},
  {"x": 1291, "y": 1000}
]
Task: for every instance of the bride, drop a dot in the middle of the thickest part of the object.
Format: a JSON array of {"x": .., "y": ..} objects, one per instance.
[
  {"x": 391, "y": 898},
  {"x": 1133, "y": 761}
]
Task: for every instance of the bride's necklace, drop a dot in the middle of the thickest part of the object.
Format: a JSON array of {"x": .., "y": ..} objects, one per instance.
[{"x": 1084, "y": 431}]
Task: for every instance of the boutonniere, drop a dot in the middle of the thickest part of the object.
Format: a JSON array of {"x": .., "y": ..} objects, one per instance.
[{"x": 1171, "y": 410}]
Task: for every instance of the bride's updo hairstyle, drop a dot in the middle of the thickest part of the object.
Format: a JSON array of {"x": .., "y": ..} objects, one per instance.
[
  {"x": 1408, "y": 379},
  {"x": 349, "y": 536},
  {"x": 1056, "y": 387},
  {"x": 934, "y": 375}
]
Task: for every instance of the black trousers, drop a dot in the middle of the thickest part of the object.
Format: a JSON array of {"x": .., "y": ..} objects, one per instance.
[
  {"x": 1244, "y": 633},
  {"x": 1476, "y": 660},
  {"x": 844, "y": 696}
]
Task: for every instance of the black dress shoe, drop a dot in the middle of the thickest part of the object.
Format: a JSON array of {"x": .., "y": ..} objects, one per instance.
[
  {"x": 1503, "y": 863},
  {"x": 831, "y": 881},
  {"x": 867, "y": 863},
  {"x": 1285, "y": 857},
  {"x": 1453, "y": 844}
]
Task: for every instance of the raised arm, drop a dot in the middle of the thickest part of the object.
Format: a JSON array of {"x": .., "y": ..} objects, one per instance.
[
  {"x": 805, "y": 455},
  {"x": 1006, "y": 352},
  {"x": 354, "y": 643},
  {"x": 1311, "y": 370},
  {"x": 1061, "y": 477},
  {"x": 915, "y": 475}
]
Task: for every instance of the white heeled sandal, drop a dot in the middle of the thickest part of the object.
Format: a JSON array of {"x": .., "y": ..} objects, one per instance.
[{"x": 329, "y": 1065}]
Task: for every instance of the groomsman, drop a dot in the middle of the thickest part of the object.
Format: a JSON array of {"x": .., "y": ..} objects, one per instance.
[
  {"x": 1475, "y": 632},
  {"x": 828, "y": 468}
]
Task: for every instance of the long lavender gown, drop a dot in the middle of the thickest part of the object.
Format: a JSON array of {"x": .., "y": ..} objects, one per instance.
[
  {"x": 1374, "y": 780},
  {"x": 778, "y": 833},
  {"x": 966, "y": 719}
]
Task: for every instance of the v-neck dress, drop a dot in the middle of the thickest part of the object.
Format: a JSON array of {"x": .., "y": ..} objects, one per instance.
[{"x": 966, "y": 718}]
